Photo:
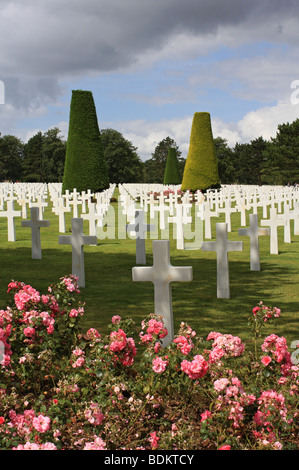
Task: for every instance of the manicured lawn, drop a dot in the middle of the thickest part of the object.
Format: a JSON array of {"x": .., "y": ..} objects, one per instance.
[{"x": 110, "y": 290}]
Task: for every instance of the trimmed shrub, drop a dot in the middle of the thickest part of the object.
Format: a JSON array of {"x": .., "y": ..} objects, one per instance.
[
  {"x": 172, "y": 173},
  {"x": 85, "y": 164},
  {"x": 201, "y": 169}
]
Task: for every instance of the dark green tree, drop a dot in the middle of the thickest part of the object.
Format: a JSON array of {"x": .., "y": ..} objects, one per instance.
[
  {"x": 251, "y": 162},
  {"x": 33, "y": 155},
  {"x": 85, "y": 164},
  {"x": 11, "y": 158},
  {"x": 159, "y": 159},
  {"x": 124, "y": 164},
  {"x": 53, "y": 156},
  {"x": 149, "y": 171},
  {"x": 282, "y": 155},
  {"x": 227, "y": 163},
  {"x": 172, "y": 172},
  {"x": 201, "y": 169},
  {"x": 44, "y": 157}
]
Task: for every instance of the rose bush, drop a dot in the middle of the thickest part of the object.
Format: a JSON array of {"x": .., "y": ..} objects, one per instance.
[{"x": 65, "y": 388}]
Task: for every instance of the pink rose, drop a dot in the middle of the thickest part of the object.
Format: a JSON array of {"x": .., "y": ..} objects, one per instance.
[
  {"x": 221, "y": 384},
  {"x": 79, "y": 362},
  {"x": 74, "y": 313},
  {"x": 41, "y": 423},
  {"x": 159, "y": 365},
  {"x": 116, "y": 319},
  {"x": 29, "y": 332},
  {"x": 266, "y": 360},
  {"x": 205, "y": 415}
]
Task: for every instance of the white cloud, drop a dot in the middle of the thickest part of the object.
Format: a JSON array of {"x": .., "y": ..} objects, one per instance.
[
  {"x": 261, "y": 122},
  {"x": 264, "y": 121},
  {"x": 146, "y": 135}
]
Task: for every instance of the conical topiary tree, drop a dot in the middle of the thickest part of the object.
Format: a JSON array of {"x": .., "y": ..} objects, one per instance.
[
  {"x": 172, "y": 173},
  {"x": 201, "y": 168},
  {"x": 85, "y": 164}
]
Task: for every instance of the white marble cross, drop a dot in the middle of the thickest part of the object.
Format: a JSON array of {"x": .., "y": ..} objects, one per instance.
[
  {"x": 77, "y": 240},
  {"x": 273, "y": 223},
  {"x": 228, "y": 210},
  {"x": 139, "y": 228},
  {"x": 92, "y": 216},
  {"x": 75, "y": 201},
  {"x": 60, "y": 209},
  {"x": 177, "y": 219},
  {"x": 170, "y": 200},
  {"x": 207, "y": 219},
  {"x": 10, "y": 213},
  {"x": 286, "y": 216},
  {"x": 295, "y": 215},
  {"x": 222, "y": 246},
  {"x": 23, "y": 201},
  {"x": 254, "y": 232},
  {"x": 162, "y": 209},
  {"x": 41, "y": 203},
  {"x": 35, "y": 224},
  {"x": 85, "y": 197},
  {"x": 162, "y": 273}
]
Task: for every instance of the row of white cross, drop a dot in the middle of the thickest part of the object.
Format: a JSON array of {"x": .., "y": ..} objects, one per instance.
[{"x": 162, "y": 273}]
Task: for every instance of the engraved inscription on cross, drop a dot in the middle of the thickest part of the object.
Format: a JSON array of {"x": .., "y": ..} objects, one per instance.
[
  {"x": 35, "y": 224},
  {"x": 77, "y": 240},
  {"x": 162, "y": 273},
  {"x": 222, "y": 246}
]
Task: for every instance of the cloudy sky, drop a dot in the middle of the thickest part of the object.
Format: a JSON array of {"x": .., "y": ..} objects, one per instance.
[{"x": 151, "y": 64}]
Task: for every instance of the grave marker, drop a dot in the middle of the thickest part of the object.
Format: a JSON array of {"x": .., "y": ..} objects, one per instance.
[
  {"x": 10, "y": 213},
  {"x": 35, "y": 224},
  {"x": 273, "y": 223},
  {"x": 162, "y": 273},
  {"x": 139, "y": 227},
  {"x": 77, "y": 240},
  {"x": 254, "y": 232},
  {"x": 222, "y": 246},
  {"x": 60, "y": 209},
  {"x": 177, "y": 219}
]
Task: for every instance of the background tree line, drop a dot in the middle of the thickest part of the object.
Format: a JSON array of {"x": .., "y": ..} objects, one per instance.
[{"x": 42, "y": 158}]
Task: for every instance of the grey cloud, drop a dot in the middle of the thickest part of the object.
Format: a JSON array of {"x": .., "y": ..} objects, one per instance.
[
  {"x": 43, "y": 42},
  {"x": 27, "y": 92},
  {"x": 72, "y": 36}
]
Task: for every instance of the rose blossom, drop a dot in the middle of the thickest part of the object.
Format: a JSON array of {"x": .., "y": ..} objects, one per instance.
[
  {"x": 78, "y": 352},
  {"x": 41, "y": 423},
  {"x": 221, "y": 384},
  {"x": 79, "y": 362},
  {"x": 205, "y": 415},
  {"x": 29, "y": 332},
  {"x": 119, "y": 340},
  {"x": 266, "y": 360},
  {"x": 154, "y": 440},
  {"x": 116, "y": 319},
  {"x": 196, "y": 368},
  {"x": 97, "y": 444},
  {"x": 159, "y": 365},
  {"x": 73, "y": 313}
]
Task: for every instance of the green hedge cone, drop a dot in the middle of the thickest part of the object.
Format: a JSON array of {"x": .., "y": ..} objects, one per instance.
[
  {"x": 85, "y": 164},
  {"x": 201, "y": 168},
  {"x": 172, "y": 173}
]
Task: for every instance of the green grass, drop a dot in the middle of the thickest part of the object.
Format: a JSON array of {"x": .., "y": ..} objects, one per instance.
[{"x": 110, "y": 290}]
